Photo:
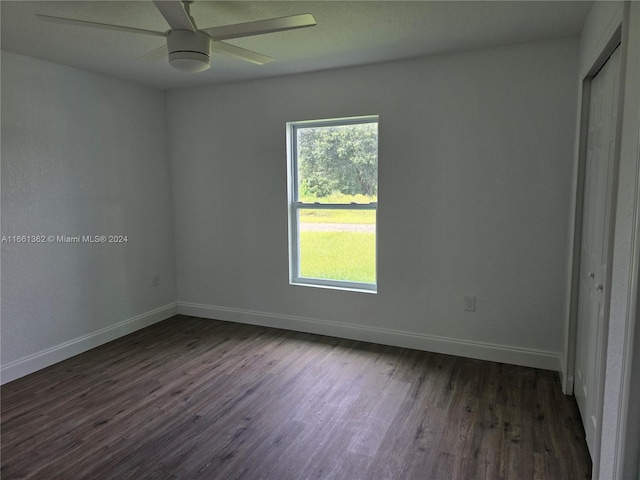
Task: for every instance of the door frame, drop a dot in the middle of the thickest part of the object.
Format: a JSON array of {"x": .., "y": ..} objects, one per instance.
[
  {"x": 621, "y": 460},
  {"x": 617, "y": 458},
  {"x": 568, "y": 378}
]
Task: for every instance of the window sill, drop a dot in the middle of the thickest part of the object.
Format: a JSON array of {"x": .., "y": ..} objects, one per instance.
[{"x": 348, "y": 287}]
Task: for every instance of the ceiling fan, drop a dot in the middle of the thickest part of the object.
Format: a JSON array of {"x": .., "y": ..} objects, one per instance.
[{"x": 189, "y": 48}]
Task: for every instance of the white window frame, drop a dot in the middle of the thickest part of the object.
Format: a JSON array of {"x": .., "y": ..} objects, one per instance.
[{"x": 295, "y": 206}]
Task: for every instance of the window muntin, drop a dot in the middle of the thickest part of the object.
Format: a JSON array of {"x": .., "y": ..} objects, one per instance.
[{"x": 333, "y": 196}]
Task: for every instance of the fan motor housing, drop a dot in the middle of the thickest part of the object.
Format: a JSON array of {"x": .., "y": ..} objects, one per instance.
[{"x": 189, "y": 51}]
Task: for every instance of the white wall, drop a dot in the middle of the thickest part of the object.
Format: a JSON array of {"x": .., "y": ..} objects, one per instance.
[
  {"x": 82, "y": 154},
  {"x": 475, "y": 174}
]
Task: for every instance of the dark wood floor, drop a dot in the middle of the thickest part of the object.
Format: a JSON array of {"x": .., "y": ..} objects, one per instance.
[{"x": 201, "y": 399}]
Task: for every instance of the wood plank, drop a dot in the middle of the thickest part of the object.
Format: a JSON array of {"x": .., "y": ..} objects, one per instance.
[{"x": 194, "y": 398}]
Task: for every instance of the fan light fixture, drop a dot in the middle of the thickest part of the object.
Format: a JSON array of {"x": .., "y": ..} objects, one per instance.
[
  {"x": 189, "y": 51},
  {"x": 190, "y": 61}
]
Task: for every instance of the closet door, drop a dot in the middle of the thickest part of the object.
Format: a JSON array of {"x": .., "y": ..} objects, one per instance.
[{"x": 590, "y": 348}]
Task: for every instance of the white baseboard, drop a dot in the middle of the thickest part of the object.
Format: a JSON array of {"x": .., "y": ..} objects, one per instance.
[
  {"x": 450, "y": 346},
  {"x": 37, "y": 361},
  {"x": 565, "y": 379}
]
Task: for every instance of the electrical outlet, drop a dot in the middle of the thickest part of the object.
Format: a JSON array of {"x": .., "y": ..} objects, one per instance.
[
  {"x": 470, "y": 304},
  {"x": 155, "y": 281}
]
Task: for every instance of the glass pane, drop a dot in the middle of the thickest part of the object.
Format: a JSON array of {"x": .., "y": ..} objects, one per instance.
[
  {"x": 338, "y": 163},
  {"x": 338, "y": 244}
]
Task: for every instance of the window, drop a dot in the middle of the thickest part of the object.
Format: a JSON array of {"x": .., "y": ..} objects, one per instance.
[{"x": 333, "y": 200}]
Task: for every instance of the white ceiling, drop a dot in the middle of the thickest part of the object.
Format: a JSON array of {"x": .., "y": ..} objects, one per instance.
[{"x": 348, "y": 33}]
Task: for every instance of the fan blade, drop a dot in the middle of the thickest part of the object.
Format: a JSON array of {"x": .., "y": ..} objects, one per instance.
[
  {"x": 106, "y": 26},
  {"x": 175, "y": 15},
  {"x": 157, "y": 54},
  {"x": 241, "y": 53},
  {"x": 260, "y": 27}
]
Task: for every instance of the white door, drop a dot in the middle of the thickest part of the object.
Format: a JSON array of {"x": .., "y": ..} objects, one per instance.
[{"x": 595, "y": 234}]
